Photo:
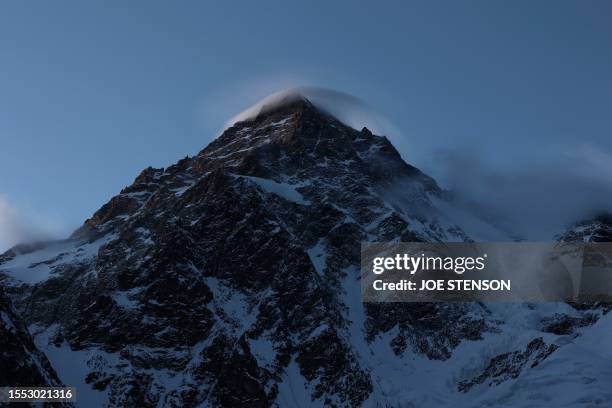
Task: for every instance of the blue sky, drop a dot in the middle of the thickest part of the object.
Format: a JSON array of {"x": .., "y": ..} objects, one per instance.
[{"x": 93, "y": 92}]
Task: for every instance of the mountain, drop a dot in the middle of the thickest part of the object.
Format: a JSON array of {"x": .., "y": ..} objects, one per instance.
[{"x": 231, "y": 278}]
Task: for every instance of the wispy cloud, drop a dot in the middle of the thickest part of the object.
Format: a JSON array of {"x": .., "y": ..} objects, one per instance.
[
  {"x": 17, "y": 227},
  {"x": 536, "y": 199},
  {"x": 349, "y": 109},
  {"x": 224, "y": 107},
  {"x": 219, "y": 106}
]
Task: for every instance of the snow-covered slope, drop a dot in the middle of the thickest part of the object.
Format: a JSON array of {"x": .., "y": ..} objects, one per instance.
[{"x": 231, "y": 279}]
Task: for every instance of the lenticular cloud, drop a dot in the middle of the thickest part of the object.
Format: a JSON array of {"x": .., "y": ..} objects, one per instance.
[{"x": 349, "y": 109}]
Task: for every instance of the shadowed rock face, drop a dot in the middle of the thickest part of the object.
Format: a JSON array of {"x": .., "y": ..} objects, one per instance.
[
  {"x": 510, "y": 365},
  {"x": 231, "y": 277},
  {"x": 595, "y": 229},
  {"x": 21, "y": 363}
]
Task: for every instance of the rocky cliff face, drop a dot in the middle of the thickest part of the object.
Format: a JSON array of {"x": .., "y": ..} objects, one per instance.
[
  {"x": 595, "y": 229},
  {"x": 21, "y": 363},
  {"x": 231, "y": 279}
]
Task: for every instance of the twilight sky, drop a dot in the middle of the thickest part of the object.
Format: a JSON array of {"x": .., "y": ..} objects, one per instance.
[{"x": 481, "y": 93}]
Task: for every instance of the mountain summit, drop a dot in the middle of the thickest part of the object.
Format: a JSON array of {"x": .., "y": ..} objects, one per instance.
[{"x": 231, "y": 278}]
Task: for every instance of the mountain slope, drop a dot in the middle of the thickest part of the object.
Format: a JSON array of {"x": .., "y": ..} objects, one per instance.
[
  {"x": 21, "y": 363},
  {"x": 231, "y": 279}
]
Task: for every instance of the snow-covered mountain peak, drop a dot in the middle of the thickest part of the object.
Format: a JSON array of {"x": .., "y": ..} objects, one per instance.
[
  {"x": 275, "y": 101},
  {"x": 346, "y": 108},
  {"x": 231, "y": 278}
]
